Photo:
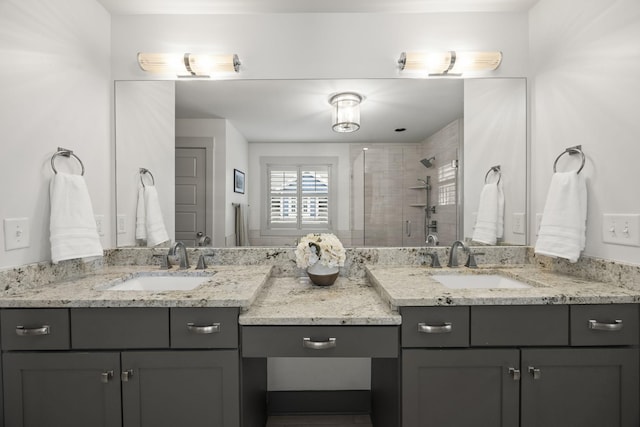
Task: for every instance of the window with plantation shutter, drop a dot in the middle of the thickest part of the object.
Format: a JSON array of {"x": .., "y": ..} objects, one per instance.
[{"x": 299, "y": 197}]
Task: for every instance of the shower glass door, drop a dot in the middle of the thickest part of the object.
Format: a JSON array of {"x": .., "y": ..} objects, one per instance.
[{"x": 388, "y": 201}]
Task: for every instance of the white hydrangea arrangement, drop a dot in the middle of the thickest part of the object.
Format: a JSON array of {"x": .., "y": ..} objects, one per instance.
[{"x": 323, "y": 247}]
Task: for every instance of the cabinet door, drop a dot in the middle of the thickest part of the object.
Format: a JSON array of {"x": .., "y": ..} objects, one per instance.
[
  {"x": 62, "y": 389},
  {"x": 590, "y": 387},
  {"x": 181, "y": 388},
  {"x": 460, "y": 388}
]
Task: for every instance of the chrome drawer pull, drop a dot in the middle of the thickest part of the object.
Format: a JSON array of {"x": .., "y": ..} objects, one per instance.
[
  {"x": 319, "y": 345},
  {"x": 535, "y": 372},
  {"x": 600, "y": 326},
  {"x": 444, "y": 328},
  {"x": 25, "y": 332},
  {"x": 207, "y": 329},
  {"x": 515, "y": 374},
  {"x": 106, "y": 376}
]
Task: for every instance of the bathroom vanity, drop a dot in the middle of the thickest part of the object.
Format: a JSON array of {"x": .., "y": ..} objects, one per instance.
[{"x": 562, "y": 351}]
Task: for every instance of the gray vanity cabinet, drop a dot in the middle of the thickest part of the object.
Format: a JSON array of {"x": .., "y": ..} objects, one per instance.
[
  {"x": 131, "y": 367},
  {"x": 191, "y": 388},
  {"x": 591, "y": 387},
  {"x": 62, "y": 389},
  {"x": 528, "y": 366},
  {"x": 459, "y": 388}
]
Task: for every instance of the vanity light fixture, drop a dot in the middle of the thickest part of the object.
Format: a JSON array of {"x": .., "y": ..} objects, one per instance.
[
  {"x": 189, "y": 64},
  {"x": 450, "y": 63},
  {"x": 345, "y": 112}
]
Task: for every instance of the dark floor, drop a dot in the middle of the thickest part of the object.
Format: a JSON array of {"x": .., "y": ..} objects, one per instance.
[{"x": 319, "y": 421}]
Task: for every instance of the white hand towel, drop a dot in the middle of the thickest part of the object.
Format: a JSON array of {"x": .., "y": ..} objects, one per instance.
[
  {"x": 563, "y": 227},
  {"x": 72, "y": 224},
  {"x": 490, "y": 220},
  {"x": 141, "y": 216},
  {"x": 156, "y": 231}
]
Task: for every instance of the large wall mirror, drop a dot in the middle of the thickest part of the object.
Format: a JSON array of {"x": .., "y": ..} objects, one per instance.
[{"x": 391, "y": 187}]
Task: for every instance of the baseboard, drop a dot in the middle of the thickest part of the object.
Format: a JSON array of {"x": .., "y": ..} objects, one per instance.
[{"x": 319, "y": 402}]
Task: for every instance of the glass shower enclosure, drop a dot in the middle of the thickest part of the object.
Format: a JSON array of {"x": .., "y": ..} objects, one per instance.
[{"x": 398, "y": 200}]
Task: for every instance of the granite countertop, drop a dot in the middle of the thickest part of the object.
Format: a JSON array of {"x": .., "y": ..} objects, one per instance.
[
  {"x": 414, "y": 286},
  {"x": 268, "y": 300},
  {"x": 230, "y": 286},
  {"x": 295, "y": 301}
]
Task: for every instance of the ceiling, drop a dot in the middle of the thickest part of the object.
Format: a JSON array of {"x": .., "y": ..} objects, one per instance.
[
  {"x": 135, "y": 7},
  {"x": 299, "y": 110}
]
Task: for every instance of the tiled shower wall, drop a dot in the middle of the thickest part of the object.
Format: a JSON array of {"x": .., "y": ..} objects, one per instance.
[{"x": 381, "y": 214}]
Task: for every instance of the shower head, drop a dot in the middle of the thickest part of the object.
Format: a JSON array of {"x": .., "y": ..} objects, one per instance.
[{"x": 428, "y": 162}]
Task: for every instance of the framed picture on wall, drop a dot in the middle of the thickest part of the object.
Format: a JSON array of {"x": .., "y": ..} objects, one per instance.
[{"x": 238, "y": 181}]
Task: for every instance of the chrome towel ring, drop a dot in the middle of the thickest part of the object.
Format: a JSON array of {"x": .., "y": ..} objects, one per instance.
[
  {"x": 144, "y": 171},
  {"x": 496, "y": 170},
  {"x": 66, "y": 153},
  {"x": 577, "y": 149}
]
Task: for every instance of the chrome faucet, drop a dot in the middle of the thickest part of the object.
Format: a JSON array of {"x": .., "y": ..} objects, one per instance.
[
  {"x": 432, "y": 240},
  {"x": 453, "y": 255},
  {"x": 184, "y": 259}
]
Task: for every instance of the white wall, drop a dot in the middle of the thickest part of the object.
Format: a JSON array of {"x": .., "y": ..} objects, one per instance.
[
  {"x": 495, "y": 133},
  {"x": 56, "y": 91},
  {"x": 585, "y": 63},
  {"x": 145, "y": 137},
  {"x": 237, "y": 158},
  {"x": 349, "y": 45}
]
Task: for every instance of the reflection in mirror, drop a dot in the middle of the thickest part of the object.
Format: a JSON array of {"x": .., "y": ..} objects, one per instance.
[{"x": 392, "y": 188}]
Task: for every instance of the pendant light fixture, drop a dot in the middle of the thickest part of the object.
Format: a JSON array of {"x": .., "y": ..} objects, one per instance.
[
  {"x": 189, "y": 64},
  {"x": 345, "y": 112},
  {"x": 449, "y": 62}
]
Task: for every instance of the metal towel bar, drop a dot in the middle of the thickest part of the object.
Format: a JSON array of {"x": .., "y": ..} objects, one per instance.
[
  {"x": 494, "y": 169},
  {"x": 577, "y": 149},
  {"x": 66, "y": 153},
  {"x": 144, "y": 171}
]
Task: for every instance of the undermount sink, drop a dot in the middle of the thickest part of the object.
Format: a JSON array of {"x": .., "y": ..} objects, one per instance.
[
  {"x": 156, "y": 281},
  {"x": 478, "y": 281}
]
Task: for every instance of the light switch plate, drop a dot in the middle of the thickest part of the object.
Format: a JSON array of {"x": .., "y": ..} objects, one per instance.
[
  {"x": 121, "y": 224},
  {"x": 621, "y": 229},
  {"x": 16, "y": 233}
]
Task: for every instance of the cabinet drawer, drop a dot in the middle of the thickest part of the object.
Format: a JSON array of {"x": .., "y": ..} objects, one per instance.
[
  {"x": 523, "y": 325},
  {"x": 204, "y": 327},
  {"x": 606, "y": 324},
  {"x": 435, "y": 326},
  {"x": 320, "y": 341},
  {"x": 35, "y": 329},
  {"x": 123, "y": 328}
]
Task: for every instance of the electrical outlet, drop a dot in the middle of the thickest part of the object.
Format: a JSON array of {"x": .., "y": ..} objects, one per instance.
[
  {"x": 121, "y": 224},
  {"x": 100, "y": 224},
  {"x": 621, "y": 229},
  {"x": 518, "y": 223},
  {"x": 16, "y": 233}
]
